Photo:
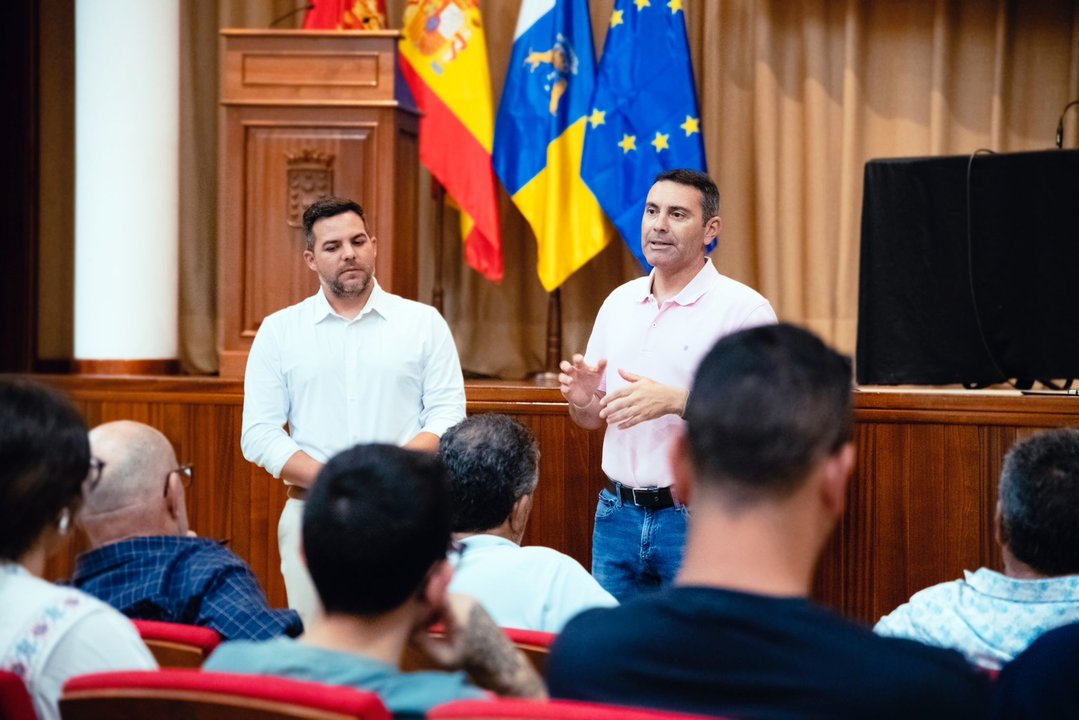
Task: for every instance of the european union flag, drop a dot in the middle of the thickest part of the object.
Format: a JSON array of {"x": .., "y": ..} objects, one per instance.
[
  {"x": 539, "y": 135},
  {"x": 644, "y": 116}
]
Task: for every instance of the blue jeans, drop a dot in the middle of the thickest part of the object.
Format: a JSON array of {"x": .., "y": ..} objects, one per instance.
[{"x": 634, "y": 549}]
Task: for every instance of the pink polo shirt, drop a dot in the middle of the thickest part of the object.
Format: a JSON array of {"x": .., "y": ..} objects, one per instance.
[{"x": 664, "y": 342}]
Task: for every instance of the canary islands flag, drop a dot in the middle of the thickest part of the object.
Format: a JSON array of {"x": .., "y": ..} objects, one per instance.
[
  {"x": 646, "y": 106},
  {"x": 540, "y": 131},
  {"x": 444, "y": 61}
]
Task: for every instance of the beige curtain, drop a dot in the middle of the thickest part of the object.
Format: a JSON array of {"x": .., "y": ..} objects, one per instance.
[{"x": 795, "y": 98}]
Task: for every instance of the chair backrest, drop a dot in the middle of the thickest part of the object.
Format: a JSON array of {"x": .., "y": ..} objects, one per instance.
[
  {"x": 175, "y": 645},
  {"x": 536, "y": 645},
  {"x": 533, "y": 643},
  {"x": 193, "y": 695},
  {"x": 15, "y": 701},
  {"x": 550, "y": 710}
]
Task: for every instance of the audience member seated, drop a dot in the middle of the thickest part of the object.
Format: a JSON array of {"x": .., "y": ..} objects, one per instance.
[
  {"x": 49, "y": 633},
  {"x": 146, "y": 563},
  {"x": 1040, "y": 683},
  {"x": 492, "y": 461},
  {"x": 991, "y": 617},
  {"x": 376, "y": 530},
  {"x": 763, "y": 466}
]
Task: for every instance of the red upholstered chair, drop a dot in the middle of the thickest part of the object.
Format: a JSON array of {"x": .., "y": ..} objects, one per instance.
[
  {"x": 197, "y": 695},
  {"x": 15, "y": 702},
  {"x": 533, "y": 643},
  {"x": 175, "y": 645},
  {"x": 551, "y": 710}
]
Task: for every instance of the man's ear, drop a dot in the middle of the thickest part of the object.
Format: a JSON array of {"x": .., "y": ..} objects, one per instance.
[
  {"x": 712, "y": 228},
  {"x": 837, "y": 472},
  {"x": 682, "y": 470},
  {"x": 174, "y": 496},
  {"x": 519, "y": 514},
  {"x": 309, "y": 258}
]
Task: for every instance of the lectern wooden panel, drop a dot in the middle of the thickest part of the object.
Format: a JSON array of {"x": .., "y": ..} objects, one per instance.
[{"x": 308, "y": 114}]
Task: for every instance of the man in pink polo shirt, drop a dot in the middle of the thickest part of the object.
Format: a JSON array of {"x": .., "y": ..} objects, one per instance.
[{"x": 648, "y": 339}]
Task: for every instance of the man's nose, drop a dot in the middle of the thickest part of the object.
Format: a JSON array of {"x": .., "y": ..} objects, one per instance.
[{"x": 659, "y": 222}]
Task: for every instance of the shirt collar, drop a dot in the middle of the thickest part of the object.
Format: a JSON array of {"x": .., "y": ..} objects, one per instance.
[
  {"x": 378, "y": 303},
  {"x": 1041, "y": 590},
  {"x": 107, "y": 557},
  {"x": 704, "y": 279},
  {"x": 486, "y": 541}
]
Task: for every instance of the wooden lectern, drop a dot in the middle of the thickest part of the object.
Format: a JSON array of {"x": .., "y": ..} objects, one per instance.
[{"x": 308, "y": 114}]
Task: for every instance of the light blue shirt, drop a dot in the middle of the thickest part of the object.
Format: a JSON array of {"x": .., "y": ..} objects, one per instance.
[
  {"x": 412, "y": 693},
  {"x": 530, "y": 588},
  {"x": 987, "y": 616}
]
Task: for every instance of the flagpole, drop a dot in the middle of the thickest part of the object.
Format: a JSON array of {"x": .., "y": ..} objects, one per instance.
[
  {"x": 440, "y": 231},
  {"x": 554, "y": 339}
]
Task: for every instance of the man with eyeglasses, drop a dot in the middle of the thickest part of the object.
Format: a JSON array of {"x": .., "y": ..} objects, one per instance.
[{"x": 145, "y": 561}]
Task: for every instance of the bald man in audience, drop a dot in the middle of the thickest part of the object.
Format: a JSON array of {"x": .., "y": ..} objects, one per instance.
[
  {"x": 992, "y": 616},
  {"x": 146, "y": 562},
  {"x": 763, "y": 465}
]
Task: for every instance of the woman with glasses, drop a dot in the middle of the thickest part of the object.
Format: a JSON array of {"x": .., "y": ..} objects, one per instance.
[{"x": 49, "y": 633}]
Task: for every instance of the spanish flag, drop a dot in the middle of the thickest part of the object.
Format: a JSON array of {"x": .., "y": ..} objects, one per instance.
[
  {"x": 539, "y": 139},
  {"x": 444, "y": 61},
  {"x": 345, "y": 15}
]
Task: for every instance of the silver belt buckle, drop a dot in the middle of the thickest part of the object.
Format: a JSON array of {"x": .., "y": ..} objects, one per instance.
[{"x": 650, "y": 495}]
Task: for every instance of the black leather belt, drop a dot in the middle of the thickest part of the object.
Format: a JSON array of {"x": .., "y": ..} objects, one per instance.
[{"x": 657, "y": 498}]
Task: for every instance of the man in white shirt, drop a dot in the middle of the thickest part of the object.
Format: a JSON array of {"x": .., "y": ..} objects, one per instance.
[
  {"x": 350, "y": 364},
  {"x": 492, "y": 461}
]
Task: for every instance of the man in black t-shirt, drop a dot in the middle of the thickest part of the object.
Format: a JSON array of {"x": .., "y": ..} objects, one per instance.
[{"x": 763, "y": 466}]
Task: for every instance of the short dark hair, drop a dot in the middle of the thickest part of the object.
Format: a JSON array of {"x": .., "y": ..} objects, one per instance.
[
  {"x": 492, "y": 461},
  {"x": 701, "y": 181},
  {"x": 1039, "y": 501},
  {"x": 324, "y": 208},
  {"x": 374, "y": 523},
  {"x": 44, "y": 458},
  {"x": 767, "y": 404}
]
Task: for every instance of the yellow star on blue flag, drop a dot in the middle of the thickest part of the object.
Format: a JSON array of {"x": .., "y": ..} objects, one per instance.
[{"x": 646, "y": 90}]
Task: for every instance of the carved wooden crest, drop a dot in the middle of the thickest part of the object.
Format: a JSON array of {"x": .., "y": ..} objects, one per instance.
[{"x": 310, "y": 177}]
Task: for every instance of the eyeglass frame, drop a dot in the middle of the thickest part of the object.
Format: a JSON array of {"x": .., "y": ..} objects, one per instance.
[
  {"x": 187, "y": 476},
  {"x": 456, "y": 550}
]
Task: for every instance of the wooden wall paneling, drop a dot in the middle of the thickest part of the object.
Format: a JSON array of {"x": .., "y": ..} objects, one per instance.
[{"x": 920, "y": 503}]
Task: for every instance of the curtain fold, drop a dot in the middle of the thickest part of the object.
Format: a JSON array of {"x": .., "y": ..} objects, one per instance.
[{"x": 795, "y": 98}]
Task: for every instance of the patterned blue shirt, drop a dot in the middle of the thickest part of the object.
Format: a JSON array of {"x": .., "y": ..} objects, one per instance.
[
  {"x": 987, "y": 616},
  {"x": 187, "y": 580}
]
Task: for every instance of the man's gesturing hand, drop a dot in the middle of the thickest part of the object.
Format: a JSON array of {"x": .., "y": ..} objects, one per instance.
[
  {"x": 579, "y": 381},
  {"x": 642, "y": 400}
]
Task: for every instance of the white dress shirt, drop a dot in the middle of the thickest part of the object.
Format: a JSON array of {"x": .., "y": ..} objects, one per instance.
[
  {"x": 530, "y": 588},
  {"x": 385, "y": 376},
  {"x": 50, "y": 633}
]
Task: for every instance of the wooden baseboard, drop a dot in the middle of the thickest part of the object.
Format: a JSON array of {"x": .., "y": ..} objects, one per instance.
[{"x": 125, "y": 367}]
